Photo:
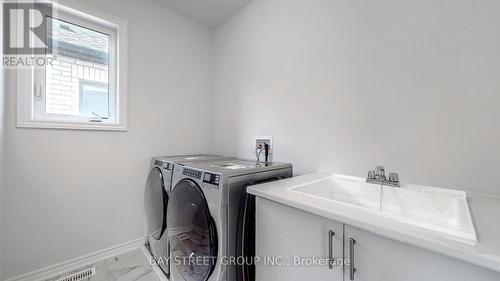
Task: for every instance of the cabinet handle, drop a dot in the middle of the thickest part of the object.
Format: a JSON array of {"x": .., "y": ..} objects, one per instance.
[
  {"x": 331, "y": 235},
  {"x": 352, "y": 270}
]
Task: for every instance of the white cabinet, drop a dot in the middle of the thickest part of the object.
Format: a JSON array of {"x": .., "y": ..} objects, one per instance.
[
  {"x": 377, "y": 258},
  {"x": 285, "y": 234}
]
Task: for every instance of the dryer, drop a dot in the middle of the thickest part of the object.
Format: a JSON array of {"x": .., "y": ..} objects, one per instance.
[
  {"x": 210, "y": 218},
  {"x": 156, "y": 198}
]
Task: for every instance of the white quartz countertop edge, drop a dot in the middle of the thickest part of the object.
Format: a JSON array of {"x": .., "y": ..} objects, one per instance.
[{"x": 279, "y": 192}]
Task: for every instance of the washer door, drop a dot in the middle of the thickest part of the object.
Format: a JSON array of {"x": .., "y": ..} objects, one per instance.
[
  {"x": 156, "y": 201},
  {"x": 191, "y": 232}
]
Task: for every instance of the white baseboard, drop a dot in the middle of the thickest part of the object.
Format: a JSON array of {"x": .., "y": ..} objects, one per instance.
[{"x": 73, "y": 264}]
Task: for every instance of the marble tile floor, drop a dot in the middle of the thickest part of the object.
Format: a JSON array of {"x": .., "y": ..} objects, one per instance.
[{"x": 130, "y": 266}]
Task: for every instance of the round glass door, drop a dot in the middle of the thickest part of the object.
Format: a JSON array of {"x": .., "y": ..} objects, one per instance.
[
  {"x": 191, "y": 232},
  {"x": 156, "y": 201}
]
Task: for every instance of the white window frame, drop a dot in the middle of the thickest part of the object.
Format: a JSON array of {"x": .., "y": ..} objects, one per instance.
[{"x": 31, "y": 82}]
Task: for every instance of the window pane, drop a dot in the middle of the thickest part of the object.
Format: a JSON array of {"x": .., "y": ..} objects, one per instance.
[
  {"x": 77, "y": 81},
  {"x": 94, "y": 100}
]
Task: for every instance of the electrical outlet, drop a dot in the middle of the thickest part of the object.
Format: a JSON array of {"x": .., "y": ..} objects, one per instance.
[{"x": 260, "y": 143}]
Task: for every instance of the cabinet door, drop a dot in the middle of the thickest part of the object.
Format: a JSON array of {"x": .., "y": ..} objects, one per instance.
[
  {"x": 294, "y": 238},
  {"x": 381, "y": 259}
]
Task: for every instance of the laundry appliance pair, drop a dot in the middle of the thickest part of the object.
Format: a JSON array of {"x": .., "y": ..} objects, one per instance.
[
  {"x": 156, "y": 199},
  {"x": 199, "y": 215}
]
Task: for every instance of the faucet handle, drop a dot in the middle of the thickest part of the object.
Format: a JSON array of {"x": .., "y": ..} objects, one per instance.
[
  {"x": 394, "y": 177},
  {"x": 371, "y": 174}
]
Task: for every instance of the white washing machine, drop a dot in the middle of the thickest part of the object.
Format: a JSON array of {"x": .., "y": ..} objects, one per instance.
[
  {"x": 156, "y": 198},
  {"x": 211, "y": 218}
]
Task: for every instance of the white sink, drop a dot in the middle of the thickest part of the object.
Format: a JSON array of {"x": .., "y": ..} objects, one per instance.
[
  {"x": 440, "y": 210},
  {"x": 345, "y": 189}
]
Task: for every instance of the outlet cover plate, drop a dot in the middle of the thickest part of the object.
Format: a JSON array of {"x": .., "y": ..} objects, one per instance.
[{"x": 259, "y": 143}]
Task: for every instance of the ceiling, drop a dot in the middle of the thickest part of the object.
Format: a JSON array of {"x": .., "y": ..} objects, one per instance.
[{"x": 208, "y": 12}]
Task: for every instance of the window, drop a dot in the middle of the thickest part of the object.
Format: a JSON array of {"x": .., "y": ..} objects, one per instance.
[{"x": 83, "y": 83}]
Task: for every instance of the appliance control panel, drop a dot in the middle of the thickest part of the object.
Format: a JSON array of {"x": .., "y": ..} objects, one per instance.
[
  {"x": 192, "y": 173},
  {"x": 164, "y": 165},
  {"x": 211, "y": 180}
]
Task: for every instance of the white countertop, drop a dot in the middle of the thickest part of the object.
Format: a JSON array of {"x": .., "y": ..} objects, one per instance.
[{"x": 485, "y": 211}]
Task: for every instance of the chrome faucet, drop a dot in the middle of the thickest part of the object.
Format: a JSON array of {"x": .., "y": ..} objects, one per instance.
[{"x": 377, "y": 176}]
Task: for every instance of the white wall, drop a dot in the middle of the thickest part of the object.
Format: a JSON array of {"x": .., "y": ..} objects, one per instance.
[
  {"x": 345, "y": 85},
  {"x": 69, "y": 193}
]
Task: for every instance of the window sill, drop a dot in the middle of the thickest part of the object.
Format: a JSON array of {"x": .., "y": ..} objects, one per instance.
[{"x": 72, "y": 126}]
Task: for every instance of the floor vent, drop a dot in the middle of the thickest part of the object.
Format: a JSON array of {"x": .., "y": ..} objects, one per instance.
[{"x": 81, "y": 275}]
